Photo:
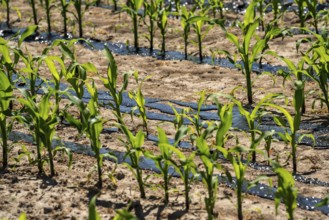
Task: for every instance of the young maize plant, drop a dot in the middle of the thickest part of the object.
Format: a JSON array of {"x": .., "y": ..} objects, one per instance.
[
  {"x": 247, "y": 52},
  {"x": 317, "y": 58},
  {"x": 76, "y": 73},
  {"x": 31, "y": 69},
  {"x": 134, "y": 147},
  {"x": 162, "y": 161},
  {"x": 57, "y": 75},
  {"x": 234, "y": 155},
  {"x": 7, "y": 65},
  {"x": 185, "y": 15},
  {"x": 286, "y": 192},
  {"x": 43, "y": 118},
  {"x": 34, "y": 11},
  {"x": 150, "y": 11},
  {"x": 185, "y": 166},
  {"x": 209, "y": 161},
  {"x": 111, "y": 84},
  {"x": 6, "y": 94},
  {"x": 277, "y": 13},
  {"x": 138, "y": 96},
  {"x": 6, "y": 3},
  {"x": 217, "y": 6},
  {"x": 300, "y": 12},
  {"x": 65, "y": 4},
  {"x": 48, "y": 6},
  {"x": 91, "y": 124},
  {"x": 252, "y": 117},
  {"x": 80, "y": 12},
  {"x": 290, "y": 135},
  {"x": 162, "y": 22},
  {"x": 132, "y": 8},
  {"x": 198, "y": 22}
]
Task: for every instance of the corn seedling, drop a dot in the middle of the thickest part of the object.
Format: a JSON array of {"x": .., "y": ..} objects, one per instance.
[
  {"x": 6, "y": 92},
  {"x": 234, "y": 155},
  {"x": 261, "y": 7},
  {"x": 271, "y": 31},
  {"x": 195, "y": 119},
  {"x": 293, "y": 121},
  {"x": 150, "y": 11},
  {"x": 300, "y": 12},
  {"x": 217, "y": 6},
  {"x": 90, "y": 124},
  {"x": 34, "y": 11},
  {"x": 276, "y": 11},
  {"x": 198, "y": 21},
  {"x": 138, "y": 96},
  {"x": 162, "y": 161},
  {"x": 76, "y": 73},
  {"x": 251, "y": 117},
  {"x": 162, "y": 22},
  {"x": 317, "y": 57},
  {"x": 7, "y": 65},
  {"x": 209, "y": 162},
  {"x": 111, "y": 84},
  {"x": 186, "y": 167},
  {"x": 286, "y": 192},
  {"x": 134, "y": 147},
  {"x": 7, "y": 5},
  {"x": 65, "y": 4},
  {"x": 48, "y": 6},
  {"x": 197, "y": 129},
  {"x": 31, "y": 69},
  {"x": 246, "y": 51},
  {"x": 268, "y": 147},
  {"x": 185, "y": 15},
  {"x": 57, "y": 75},
  {"x": 132, "y": 9},
  {"x": 42, "y": 116},
  {"x": 79, "y": 13}
]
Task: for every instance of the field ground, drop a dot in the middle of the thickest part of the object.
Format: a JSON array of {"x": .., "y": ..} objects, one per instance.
[{"x": 66, "y": 196}]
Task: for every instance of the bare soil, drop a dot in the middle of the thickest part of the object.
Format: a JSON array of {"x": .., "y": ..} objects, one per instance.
[{"x": 66, "y": 196}]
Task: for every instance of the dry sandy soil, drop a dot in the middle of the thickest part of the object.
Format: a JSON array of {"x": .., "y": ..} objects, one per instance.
[{"x": 66, "y": 196}]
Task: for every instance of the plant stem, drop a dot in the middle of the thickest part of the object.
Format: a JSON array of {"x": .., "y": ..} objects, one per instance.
[
  {"x": 64, "y": 18},
  {"x": 37, "y": 140},
  {"x": 140, "y": 183},
  {"x": 50, "y": 155},
  {"x": 99, "y": 168},
  {"x": 151, "y": 33},
  {"x": 252, "y": 127},
  {"x": 8, "y": 13},
  {"x": 135, "y": 32},
  {"x": 294, "y": 158},
  {"x": 248, "y": 78},
  {"x": 200, "y": 47},
  {"x": 239, "y": 199},
  {"x": 187, "y": 204},
  {"x": 185, "y": 43},
  {"x": 166, "y": 180},
  {"x": 163, "y": 48},
  {"x": 4, "y": 142},
  {"x": 34, "y": 13},
  {"x": 48, "y": 16}
]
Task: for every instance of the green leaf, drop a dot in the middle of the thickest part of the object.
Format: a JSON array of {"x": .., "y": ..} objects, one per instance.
[
  {"x": 93, "y": 214},
  {"x": 28, "y": 32}
]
